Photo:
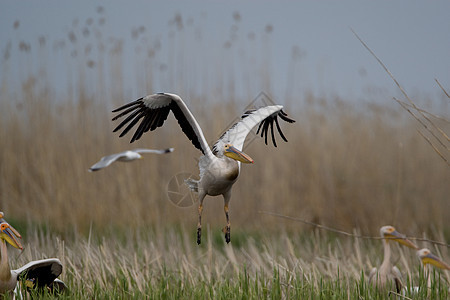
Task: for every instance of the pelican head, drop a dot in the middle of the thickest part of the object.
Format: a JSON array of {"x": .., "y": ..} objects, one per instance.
[
  {"x": 16, "y": 233},
  {"x": 427, "y": 257},
  {"x": 231, "y": 152},
  {"x": 8, "y": 235},
  {"x": 389, "y": 233}
]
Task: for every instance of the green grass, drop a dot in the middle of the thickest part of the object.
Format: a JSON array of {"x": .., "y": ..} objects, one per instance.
[{"x": 167, "y": 264}]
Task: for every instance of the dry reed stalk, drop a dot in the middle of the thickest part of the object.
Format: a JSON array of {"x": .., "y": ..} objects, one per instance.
[{"x": 421, "y": 113}]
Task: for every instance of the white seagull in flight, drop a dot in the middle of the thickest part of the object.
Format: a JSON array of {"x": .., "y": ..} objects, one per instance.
[{"x": 125, "y": 156}]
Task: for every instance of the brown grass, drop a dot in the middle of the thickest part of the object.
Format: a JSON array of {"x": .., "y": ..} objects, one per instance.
[{"x": 341, "y": 167}]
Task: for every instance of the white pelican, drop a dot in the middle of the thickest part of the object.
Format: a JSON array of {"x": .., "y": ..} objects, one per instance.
[
  {"x": 219, "y": 166},
  {"x": 8, "y": 279},
  {"x": 427, "y": 258},
  {"x": 387, "y": 273},
  {"x": 36, "y": 274},
  {"x": 125, "y": 156}
]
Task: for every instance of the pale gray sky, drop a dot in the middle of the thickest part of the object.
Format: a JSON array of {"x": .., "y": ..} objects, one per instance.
[{"x": 411, "y": 37}]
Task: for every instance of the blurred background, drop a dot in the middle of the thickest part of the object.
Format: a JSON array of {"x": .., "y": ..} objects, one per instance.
[{"x": 354, "y": 158}]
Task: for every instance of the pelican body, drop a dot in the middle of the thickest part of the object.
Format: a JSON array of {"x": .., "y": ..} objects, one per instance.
[
  {"x": 219, "y": 166},
  {"x": 8, "y": 279},
  {"x": 387, "y": 272}
]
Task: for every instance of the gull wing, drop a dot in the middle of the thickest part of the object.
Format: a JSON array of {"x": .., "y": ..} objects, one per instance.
[
  {"x": 106, "y": 161},
  {"x": 163, "y": 151}
]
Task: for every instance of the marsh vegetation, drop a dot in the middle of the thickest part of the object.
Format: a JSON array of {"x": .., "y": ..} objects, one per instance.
[{"x": 350, "y": 165}]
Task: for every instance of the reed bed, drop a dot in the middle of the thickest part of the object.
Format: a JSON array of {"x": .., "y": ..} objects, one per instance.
[{"x": 341, "y": 168}]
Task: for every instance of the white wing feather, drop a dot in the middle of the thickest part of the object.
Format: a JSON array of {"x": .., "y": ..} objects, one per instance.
[
  {"x": 106, "y": 161},
  {"x": 238, "y": 132}
]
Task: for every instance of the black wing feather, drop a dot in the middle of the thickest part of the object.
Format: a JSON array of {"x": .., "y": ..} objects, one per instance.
[
  {"x": 132, "y": 103},
  {"x": 160, "y": 118},
  {"x": 127, "y": 119},
  {"x": 138, "y": 133},
  {"x": 273, "y": 135},
  {"x": 265, "y": 129},
  {"x": 259, "y": 127},
  {"x": 284, "y": 116},
  {"x": 125, "y": 112},
  {"x": 185, "y": 126},
  {"x": 152, "y": 118},
  {"x": 264, "y": 126},
  {"x": 133, "y": 118},
  {"x": 279, "y": 130},
  {"x": 143, "y": 127}
]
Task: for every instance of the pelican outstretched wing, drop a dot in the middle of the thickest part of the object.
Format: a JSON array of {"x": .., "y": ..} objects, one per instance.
[
  {"x": 265, "y": 117},
  {"x": 153, "y": 110},
  {"x": 41, "y": 272}
]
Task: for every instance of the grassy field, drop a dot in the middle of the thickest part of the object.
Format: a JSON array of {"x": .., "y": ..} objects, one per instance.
[
  {"x": 350, "y": 165},
  {"x": 166, "y": 263}
]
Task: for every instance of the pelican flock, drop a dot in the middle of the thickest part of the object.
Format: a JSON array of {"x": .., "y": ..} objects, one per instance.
[
  {"x": 125, "y": 156},
  {"x": 36, "y": 274},
  {"x": 219, "y": 166},
  {"x": 387, "y": 273}
]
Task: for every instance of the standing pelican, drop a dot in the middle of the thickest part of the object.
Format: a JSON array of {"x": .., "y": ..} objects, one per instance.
[
  {"x": 36, "y": 274},
  {"x": 219, "y": 166},
  {"x": 125, "y": 156},
  {"x": 387, "y": 272},
  {"x": 8, "y": 279},
  {"x": 427, "y": 258}
]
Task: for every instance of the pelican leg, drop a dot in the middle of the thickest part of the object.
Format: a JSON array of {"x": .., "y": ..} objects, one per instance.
[
  {"x": 199, "y": 224},
  {"x": 227, "y": 228}
]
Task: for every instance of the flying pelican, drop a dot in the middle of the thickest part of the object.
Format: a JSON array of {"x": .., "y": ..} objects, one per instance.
[
  {"x": 36, "y": 274},
  {"x": 219, "y": 166},
  {"x": 387, "y": 271},
  {"x": 428, "y": 259},
  {"x": 125, "y": 156}
]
